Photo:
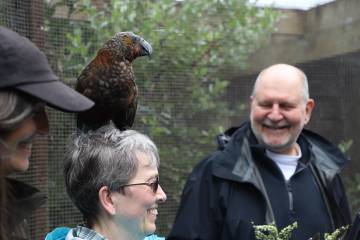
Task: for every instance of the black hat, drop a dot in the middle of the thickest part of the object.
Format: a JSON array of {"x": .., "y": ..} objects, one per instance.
[{"x": 25, "y": 68}]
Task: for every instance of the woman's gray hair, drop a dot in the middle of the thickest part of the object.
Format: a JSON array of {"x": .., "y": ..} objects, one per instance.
[
  {"x": 105, "y": 157},
  {"x": 14, "y": 108}
]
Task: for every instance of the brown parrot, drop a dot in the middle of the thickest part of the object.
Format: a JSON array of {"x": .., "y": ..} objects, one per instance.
[{"x": 109, "y": 81}]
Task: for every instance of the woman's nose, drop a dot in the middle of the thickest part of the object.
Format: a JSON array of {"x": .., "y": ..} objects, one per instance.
[{"x": 161, "y": 195}]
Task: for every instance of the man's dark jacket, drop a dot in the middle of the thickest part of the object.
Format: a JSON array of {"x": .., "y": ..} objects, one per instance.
[{"x": 225, "y": 194}]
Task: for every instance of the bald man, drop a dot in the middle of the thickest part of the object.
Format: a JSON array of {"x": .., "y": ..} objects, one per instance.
[{"x": 268, "y": 170}]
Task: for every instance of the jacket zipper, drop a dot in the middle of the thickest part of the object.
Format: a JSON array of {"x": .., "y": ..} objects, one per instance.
[{"x": 290, "y": 194}]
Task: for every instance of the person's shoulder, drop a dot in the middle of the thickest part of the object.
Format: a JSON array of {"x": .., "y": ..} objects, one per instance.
[
  {"x": 205, "y": 166},
  {"x": 224, "y": 156},
  {"x": 58, "y": 233},
  {"x": 323, "y": 147},
  {"x": 321, "y": 142},
  {"x": 233, "y": 134},
  {"x": 154, "y": 237}
]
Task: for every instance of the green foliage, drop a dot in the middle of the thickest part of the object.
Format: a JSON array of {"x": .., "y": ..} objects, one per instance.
[
  {"x": 182, "y": 87},
  {"x": 345, "y": 145},
  {"x": 193, "y": 43},
  {"x": 353, "y": 189},
  {"x": 352, "y": 182},
  {"x": 270, "y": 232},
  {"x": 338, "y": 234}
]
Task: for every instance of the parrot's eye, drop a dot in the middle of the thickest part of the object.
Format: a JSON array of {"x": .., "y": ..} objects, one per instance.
[{"x": 134, "y": 38}]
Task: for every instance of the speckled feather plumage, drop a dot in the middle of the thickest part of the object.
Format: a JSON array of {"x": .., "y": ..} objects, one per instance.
[{"x": 110, "y": 82}]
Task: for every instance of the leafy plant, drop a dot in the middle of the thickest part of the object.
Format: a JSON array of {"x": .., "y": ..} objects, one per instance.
[
  {"x": 270, "y": 232},
  {"x": 345, "y": 145},
  {"x": 338, "y": 234},
  {"x": 352, "y": 182},
  {"x": 353, "y": 188}
]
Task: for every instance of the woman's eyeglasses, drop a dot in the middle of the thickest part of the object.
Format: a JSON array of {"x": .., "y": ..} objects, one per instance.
[{"x": 153, "y": 185}]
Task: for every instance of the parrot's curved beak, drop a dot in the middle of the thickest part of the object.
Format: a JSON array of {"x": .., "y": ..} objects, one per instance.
[{"x": 146, "y": 49}]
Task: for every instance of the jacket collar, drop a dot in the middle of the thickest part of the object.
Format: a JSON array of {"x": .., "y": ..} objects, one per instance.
[
  {"x": 23, "y": 200},
  {"x": 324, "y": 155},
  {"x": 241, "y": 166}
]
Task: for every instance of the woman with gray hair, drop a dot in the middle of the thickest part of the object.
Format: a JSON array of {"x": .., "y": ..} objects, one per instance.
[
  {"x": 27, "y": 84},
  {"x": 112, "y": 178}
]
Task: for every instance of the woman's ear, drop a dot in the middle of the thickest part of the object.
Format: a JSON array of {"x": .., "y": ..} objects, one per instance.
[{"x": 106, "y": 200}]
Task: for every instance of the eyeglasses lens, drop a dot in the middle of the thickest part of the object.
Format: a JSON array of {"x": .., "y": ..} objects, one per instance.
[{"x": 155, "y": 185}]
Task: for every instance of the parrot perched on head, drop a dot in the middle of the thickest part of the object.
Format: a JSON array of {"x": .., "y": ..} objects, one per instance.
[{"x": 109, "y": 81}]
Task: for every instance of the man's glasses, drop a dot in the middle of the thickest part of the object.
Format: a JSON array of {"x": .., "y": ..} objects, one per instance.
[{"x": 153, "y": 185}]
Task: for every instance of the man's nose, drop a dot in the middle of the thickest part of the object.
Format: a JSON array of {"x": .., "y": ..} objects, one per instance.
[{"x": 275, "y": 113}]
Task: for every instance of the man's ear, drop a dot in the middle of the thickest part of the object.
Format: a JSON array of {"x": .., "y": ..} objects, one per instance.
[
  {"x": 251, "y": 98},
  {"x": 106, "y": 200},
  {"x": 250, "y": 102},
  {"x": 310, "y": 104}
]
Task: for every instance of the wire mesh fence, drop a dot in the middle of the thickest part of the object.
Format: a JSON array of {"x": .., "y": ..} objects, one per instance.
[{"x": 333, "y": 84}]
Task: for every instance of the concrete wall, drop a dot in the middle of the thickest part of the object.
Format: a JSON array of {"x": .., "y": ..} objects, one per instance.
[{"x": 302, "y": 36}]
